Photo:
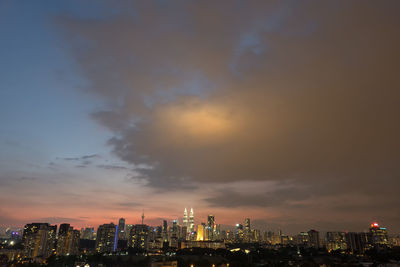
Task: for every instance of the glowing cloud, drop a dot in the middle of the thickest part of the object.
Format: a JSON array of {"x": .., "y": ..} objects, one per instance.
[{"x": 203, "y": 123}]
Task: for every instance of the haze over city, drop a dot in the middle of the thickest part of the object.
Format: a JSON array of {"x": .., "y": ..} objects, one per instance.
[{"x": 284, "y": 112}]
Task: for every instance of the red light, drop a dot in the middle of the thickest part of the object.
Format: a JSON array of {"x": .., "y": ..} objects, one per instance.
[{"x": 375, "y": 224}]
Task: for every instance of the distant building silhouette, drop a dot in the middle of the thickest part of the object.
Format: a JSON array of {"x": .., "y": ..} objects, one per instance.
[{"x": 313, "y": 238}]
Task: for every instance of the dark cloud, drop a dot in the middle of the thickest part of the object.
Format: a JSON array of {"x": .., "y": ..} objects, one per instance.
[
  {"x": 214, "y": 93},
  {"x": 83, "y": 161},
  {"x": 84, "y": 157},
  {"x": 277, "y": 198},
  {"x": 336, "y": 196},
  {"x": 90, "y": 156},
  {"x": 69, "y": 158},
  {"x": 112, "y": 167}
]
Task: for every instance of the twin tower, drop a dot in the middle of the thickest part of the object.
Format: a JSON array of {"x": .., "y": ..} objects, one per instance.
[{"x": 188, "y": 222}]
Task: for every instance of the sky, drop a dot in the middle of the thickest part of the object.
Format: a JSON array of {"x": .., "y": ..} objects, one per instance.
[{"x": 282, "y": 112}]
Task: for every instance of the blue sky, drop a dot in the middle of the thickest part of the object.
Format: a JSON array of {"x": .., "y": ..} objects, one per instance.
[{"x": 40, "y": 88}]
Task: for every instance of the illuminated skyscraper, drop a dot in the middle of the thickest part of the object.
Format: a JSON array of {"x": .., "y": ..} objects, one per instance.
[
  {"x": 247, "y": 224},
  {"x": 139, "y": 236},
  {"x": 121, "y": 229},
  {"x": 210, "y": 227},
  {"x": 106, "y": 239},
  {"x": 303, "y": 239},
  {"x": 191, "y": 220},
  {"x": 200, "y": 232},
  {"x": 185, "y": 219},
  {"x": 239, "y": 232},
  {"x": 68, "y": 240},
  {"x": 39, "y": 240},
  {"x": 247, "y": 230},
  {"x": 165, "y": 231},
  {"x": 336, "y": 241},
  {"x": 128, "y": 228},
  {"x": 256, "y": 235},
  {"x": 379, "y": 236}
]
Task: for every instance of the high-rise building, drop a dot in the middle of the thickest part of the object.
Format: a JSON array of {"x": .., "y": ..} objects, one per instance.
[
  {"x": 62, "y": 238},
  {"x": 106, "y": 238},
  {"x": 210, "y": 227},
  {"x": 303, "y": 239},
  {"x": 247, "y": 230},
  {"x": 357, "y": 243},
  {"x": 138, "y": 237},
  {"x": 185, "y": 219},
  {"x": 200, "y": 232},
  {"x": 336, "y": 241},
  {"x": 218, "y": 233},
  {"x": 68, "y": 240},
  {"x": 165, "y": 231},
  {"x": 184, "y": 233},
  {"x": 256, "y": 234},
  {"x": 154, "y": 237},
  {"x": 63, "y": 230},
  {"x": 128, "y": 229},
  {"x": 239, "y": 232},
  {"x": 121, "y": 229},
  {"x": 175, "y": 234},
  {"x": 379, "y": 235},
  {"x": 159, "y": 236},
  {"x": 191, "y": 220},
  {"x": 247, "y": 225},
  {"x": 51, "y": 239},
  {"x": 313, "y": 238},
  {"x": 39, "y": 240}
]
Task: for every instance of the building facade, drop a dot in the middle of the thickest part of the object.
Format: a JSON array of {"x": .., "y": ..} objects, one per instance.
[
  {"x": 39, "y": 240},
  {"x": 106, "y": 238}
]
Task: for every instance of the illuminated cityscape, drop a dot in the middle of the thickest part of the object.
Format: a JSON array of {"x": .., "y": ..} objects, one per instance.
[
  {"x": 199, "y": 133},
  {"x": 172, "y": 242}
]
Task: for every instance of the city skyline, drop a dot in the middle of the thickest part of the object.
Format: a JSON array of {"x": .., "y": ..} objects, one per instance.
[
  {"x": 281, "y": 112},
  {"x": 165, "y": 245},
  {"x": 209, "y": 219},
  {"x": 64, "y": 239}
]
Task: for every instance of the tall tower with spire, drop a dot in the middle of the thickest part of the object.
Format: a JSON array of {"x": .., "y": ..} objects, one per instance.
[
  {"x": 142, "y": 216},
  {"x": 185, "y": 218},
  {"x": 191, "y": 220}
]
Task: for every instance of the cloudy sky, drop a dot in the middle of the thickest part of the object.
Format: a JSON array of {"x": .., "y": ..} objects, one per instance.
[{"x": 284, "y": 112}]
